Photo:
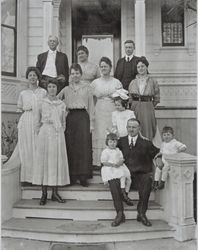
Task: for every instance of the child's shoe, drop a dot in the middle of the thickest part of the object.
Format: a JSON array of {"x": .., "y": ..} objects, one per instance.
[
  {"x": 125, "y": 198},
  {"x": 161, "y": 185},
  {"x": 155, "y": 185}
]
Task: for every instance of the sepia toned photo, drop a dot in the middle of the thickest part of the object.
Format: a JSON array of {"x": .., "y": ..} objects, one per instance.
[{"x": 98, "y": 124}]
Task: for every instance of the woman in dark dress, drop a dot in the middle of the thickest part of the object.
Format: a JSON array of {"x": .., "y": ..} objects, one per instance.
[{"x": 79, "y": 124}]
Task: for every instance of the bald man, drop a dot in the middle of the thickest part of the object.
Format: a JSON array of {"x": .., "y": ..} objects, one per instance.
[{"x": 53, "y": 64}]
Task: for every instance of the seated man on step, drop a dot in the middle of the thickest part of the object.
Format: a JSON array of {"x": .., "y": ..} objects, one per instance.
[{"x": 139, "y": 153}]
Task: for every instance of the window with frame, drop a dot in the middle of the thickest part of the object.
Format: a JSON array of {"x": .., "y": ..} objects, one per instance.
[
  {"x": 172, "y": 14},
  {"x": 8, "y": 37}
]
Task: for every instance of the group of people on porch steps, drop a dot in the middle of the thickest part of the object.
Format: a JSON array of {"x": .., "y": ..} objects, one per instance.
[{"x": 79, "y": 117}]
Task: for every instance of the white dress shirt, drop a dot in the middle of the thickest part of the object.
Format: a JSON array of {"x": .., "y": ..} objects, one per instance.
[
  {"x": 50, "y": 67},
  {"x": 130, "y": 57},
  {"x": 130, "y": 138}
]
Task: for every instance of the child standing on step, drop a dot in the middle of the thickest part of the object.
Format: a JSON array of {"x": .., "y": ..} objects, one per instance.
[
  {"x": 122, "y": 114},
  {"x": 169, "y": 146},
  {"x": 113, "y": 167}
]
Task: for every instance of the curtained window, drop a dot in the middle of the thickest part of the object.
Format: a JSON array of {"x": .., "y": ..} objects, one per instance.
[
  {"x": 8, "y": 37},
  {"x": 172, "y": 14}
]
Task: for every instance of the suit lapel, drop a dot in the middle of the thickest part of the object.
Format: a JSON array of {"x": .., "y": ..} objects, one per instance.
[{"x": 45, "y": 59}]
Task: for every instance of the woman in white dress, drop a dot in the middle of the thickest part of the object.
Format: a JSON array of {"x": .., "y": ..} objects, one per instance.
[
  {"x": 90, "y": 71},
  {"x": 51, "y": 156},
  {"x": 103, "y": 88},
  {"x": 28, "y": 102}
]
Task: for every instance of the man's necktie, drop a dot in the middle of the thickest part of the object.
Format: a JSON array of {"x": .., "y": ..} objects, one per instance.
[
  {"x": 131, "y": 144},
  {"x": 128, "y": 59}
]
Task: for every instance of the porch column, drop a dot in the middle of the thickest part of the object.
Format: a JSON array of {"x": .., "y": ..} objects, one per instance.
[
  {"x": 182, "y": 167},
  {"x": 47, "y": 21},
  {"x": 140, "y": 30}
]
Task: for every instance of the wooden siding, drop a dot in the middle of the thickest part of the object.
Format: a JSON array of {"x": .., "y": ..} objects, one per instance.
[{"x": 35, "y": 30}]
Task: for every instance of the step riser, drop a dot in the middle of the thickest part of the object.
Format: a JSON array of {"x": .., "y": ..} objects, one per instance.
[
  {"x": 81, "y": 215},
  {"x": 87, "y": 238},
  {"x": 80, "y": 195}
]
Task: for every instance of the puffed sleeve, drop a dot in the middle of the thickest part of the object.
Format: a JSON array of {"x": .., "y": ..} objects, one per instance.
[
  {"x": 104, "y": 156},
  {"x": 156, "y": 93}
]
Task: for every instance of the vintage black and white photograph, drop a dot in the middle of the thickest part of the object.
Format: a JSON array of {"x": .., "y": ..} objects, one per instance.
[{"x": 99, "y": 125}]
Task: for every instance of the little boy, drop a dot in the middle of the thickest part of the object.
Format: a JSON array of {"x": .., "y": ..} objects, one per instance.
[{"x": 168, "y": 146}]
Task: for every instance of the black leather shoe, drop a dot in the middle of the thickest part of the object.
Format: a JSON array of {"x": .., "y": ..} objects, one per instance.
[
  {"x": 155, "y": 185},
  {"x": 126, "y": 199},
  {"x": 56, "y": 197},
  {"x": 142, "y": 218},
  {"x": 43, "y": 199},
  {"x": 120, "y": 218},
  {"x": 161, "y": 185}
]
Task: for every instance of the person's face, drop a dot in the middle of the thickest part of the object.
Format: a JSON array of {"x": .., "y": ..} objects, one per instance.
[
  {"x": 105, "y": 68},
  {"x": 75, "y": 76},
  {"x": 167, "y": 136},
  {"x": 141, "y": 68},
  {"x": 133, "y": 128},
  {"x": 112, "y": 144},
  {"x": 32, "y": 78},
  {"x": 82, "y": 56},
  {"x": 119, "y": 106},
  {"x": 52, "y": 89},
  {"x": 129, "y": 48},
  {"x": 52, "y": 42}
]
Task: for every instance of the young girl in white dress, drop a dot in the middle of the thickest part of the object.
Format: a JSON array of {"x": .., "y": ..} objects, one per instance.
[
  {"x": 51, "y": 155},
  {"x": 113, "y": 167},
  {"x": 122, "y": 114}
]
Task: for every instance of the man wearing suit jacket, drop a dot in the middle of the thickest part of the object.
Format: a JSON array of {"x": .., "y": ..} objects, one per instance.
[
  {"x": 138, "y": 153},
  {"x": 53, "y": 65},
  {"x": 126, "y": 66}
]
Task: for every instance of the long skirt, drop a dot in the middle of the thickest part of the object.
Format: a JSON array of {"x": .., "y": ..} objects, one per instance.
[
  {"x": 27, "y": 145},
  {"x": 103, "y": 122},
  {"x": 78, "y": 141},
  {"x": 51, "y": 158}
]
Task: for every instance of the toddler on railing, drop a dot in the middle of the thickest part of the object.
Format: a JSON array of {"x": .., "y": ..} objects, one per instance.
[{"x": 169, "y": 146}]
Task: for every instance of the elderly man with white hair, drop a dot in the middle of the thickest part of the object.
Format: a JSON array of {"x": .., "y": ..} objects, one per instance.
[{"x": 53, "y": 64}]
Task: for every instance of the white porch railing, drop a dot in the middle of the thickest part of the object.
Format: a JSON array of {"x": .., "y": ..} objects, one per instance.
[{"x": 177, "y": 197}]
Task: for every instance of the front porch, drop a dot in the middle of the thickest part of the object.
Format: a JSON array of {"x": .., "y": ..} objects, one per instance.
[{"x": 87, "y": 214}]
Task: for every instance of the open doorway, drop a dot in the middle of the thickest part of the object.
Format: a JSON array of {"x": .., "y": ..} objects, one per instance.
[{"x": 97, "y": 25}]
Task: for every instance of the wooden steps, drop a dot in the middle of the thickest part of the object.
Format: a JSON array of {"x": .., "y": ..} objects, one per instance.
[
  {"x": 79, "y": 210},
  {"x": 83, "y": 231},
  {"x": 85, "y": 217},
  {"x": 95, "y": 191}
]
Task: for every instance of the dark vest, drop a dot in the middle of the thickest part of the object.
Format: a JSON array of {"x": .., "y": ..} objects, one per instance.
[{"x": 128, "y": 74}]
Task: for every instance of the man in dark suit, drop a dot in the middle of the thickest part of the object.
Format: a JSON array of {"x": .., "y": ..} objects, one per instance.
[
  {"x": 53, "y": 64},
  {"x": 126, "y": 66},
  {"x": 138, "y": 153}
]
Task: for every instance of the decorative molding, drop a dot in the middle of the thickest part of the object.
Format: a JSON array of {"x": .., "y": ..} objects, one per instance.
[
  {"x": 10, "y": 89},
  {"x": 188, "y": 174}
]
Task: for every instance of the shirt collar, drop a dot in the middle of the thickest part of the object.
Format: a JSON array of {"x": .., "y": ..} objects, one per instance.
[
  {"x": 134, "y": 139},
  {"x": 52, "y": 51},
  {"x": 130, "y": 57}
]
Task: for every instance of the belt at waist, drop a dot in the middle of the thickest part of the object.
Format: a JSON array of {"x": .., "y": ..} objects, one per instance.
[
  {"x": 72, "y": 110},
  {"x": 142, "y": 98}
]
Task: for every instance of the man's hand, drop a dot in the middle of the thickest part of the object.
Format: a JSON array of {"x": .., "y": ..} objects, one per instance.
[
  {"x": 61, "y": 78},
  {"x": 159, "y": 163}
]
